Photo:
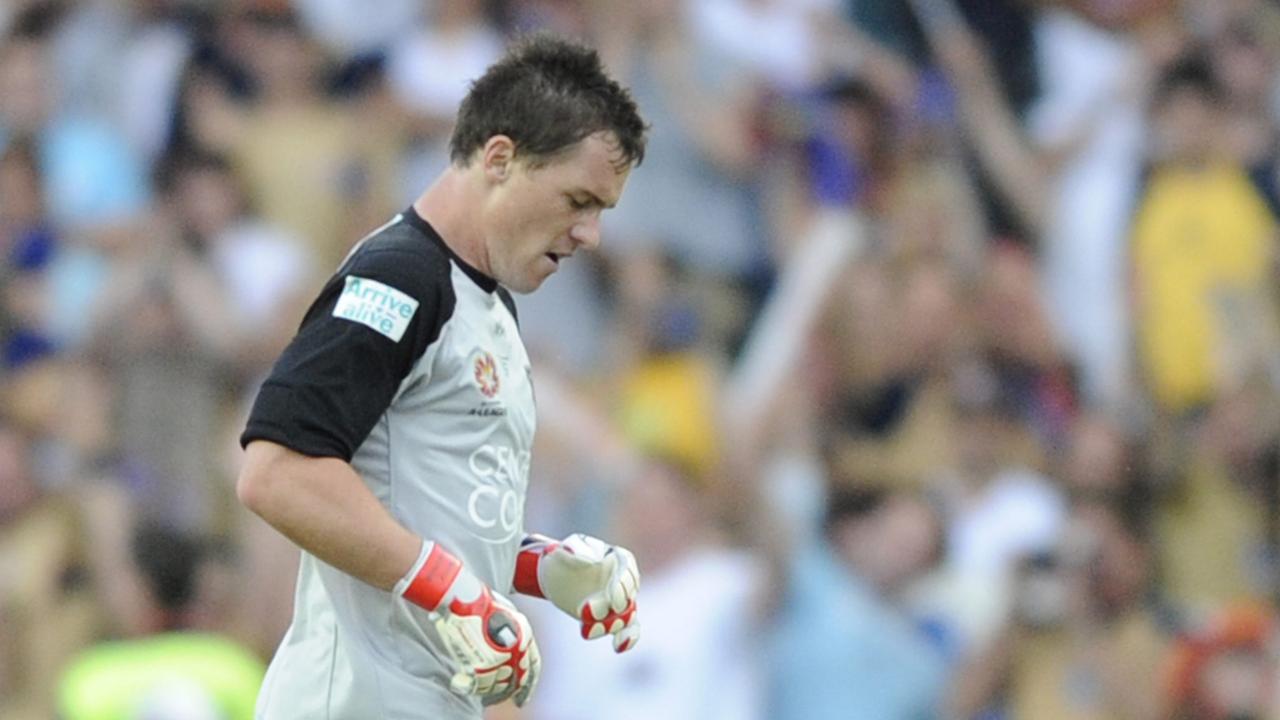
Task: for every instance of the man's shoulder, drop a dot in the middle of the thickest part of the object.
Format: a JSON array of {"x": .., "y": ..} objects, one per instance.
[
  {"x": 399, "y": 241},
  {"x": 399, "y": 253}
]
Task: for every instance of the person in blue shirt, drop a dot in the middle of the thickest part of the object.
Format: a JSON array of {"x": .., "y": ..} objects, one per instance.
[{"x": 842, "y": 646}]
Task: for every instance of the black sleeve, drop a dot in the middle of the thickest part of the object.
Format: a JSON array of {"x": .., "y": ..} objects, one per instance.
[{"x": 340, "y": 372}]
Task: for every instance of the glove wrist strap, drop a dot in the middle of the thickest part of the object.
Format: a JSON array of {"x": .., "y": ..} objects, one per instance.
[
  {"x": 429, "y": 579},
  {"x": 532, "y": 548}
]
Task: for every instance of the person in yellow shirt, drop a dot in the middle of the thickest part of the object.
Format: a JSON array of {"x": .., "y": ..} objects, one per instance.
[
  {"x": 178, "y": 671},
  {"x": 1202, "y": 252},
  {"x": 1203, "y": 242}
]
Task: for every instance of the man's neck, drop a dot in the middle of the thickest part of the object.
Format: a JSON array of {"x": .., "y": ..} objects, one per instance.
[{"x": 450, "y": 204}]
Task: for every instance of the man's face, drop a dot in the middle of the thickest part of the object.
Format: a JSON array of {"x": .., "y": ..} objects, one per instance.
[
  {"x": 1186, "y": 126},
  {"x": 536, "y": 217}
]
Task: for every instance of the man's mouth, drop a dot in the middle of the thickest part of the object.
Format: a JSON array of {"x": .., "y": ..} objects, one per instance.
[{"x": 556, "y": 258}]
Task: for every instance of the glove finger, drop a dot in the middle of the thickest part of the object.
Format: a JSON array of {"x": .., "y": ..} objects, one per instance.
[
  {"x": 629, "y": 617},
  {"x": 462, "y": 682},
  {"x": 592, "y": 629},
  {"x": 460, "y": 651},
  {"x": 631, "y": 577},
  {"x": 626, "y": 638},
  {"x": 601, "y": 601},
  {"x": 624, "y": 583},
  {"x": 531, "y": 680},
  {"x": 629, "y": 583},
  {"x": 530, "y": 665},
  {"x": 596, "y": 608},
  {"x": 619, "y": 598},
  {"x": 628, "y": 568},
  {"x": 622, "y": 587}
]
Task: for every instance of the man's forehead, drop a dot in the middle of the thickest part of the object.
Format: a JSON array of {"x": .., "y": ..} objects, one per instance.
[{"x": 598, "y": 164}]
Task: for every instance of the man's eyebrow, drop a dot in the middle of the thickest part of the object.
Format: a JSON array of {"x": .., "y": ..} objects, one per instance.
[{"x": 598, "y": 201}]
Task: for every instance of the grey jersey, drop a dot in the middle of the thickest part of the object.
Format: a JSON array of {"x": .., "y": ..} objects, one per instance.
[{"x": 409, "y": 365}]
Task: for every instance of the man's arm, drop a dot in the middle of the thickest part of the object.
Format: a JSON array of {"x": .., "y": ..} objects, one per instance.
[{"x": 323, "y": 506}]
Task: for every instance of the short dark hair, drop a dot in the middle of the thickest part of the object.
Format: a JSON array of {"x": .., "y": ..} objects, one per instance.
[
  {"x": 168, "y": 561},
  {"x": 1192, "y": 72},
  {"x": 852, "y": 502},
  {"x": 546, "y": 94},
  {"x": 173, "y": 166}
]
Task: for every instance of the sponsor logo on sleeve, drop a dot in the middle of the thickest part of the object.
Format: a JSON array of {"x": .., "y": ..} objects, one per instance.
[{"x": 376, "y": 305}]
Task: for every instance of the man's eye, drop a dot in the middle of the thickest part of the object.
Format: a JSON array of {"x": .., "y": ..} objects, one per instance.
[{"x": 579, "y": 204}]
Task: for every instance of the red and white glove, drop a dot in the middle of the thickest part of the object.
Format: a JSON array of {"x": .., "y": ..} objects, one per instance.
[
  {"x": 590, "y": 580},
  {"x": 488, "y": 639}
]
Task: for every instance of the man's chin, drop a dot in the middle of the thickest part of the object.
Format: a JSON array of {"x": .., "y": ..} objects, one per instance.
[{"x": 526, "y": 285}]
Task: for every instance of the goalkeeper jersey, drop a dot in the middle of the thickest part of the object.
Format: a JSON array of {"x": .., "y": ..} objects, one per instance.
[{"x": 409, "y": 365}]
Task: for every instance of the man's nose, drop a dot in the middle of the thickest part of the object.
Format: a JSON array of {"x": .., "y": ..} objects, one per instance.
[{"x": 586, "y": 232}]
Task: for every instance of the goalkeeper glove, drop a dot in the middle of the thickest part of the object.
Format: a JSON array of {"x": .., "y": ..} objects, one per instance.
[
  {"x": 489, "y": 640},
  {"x": 590, "y": 580}
]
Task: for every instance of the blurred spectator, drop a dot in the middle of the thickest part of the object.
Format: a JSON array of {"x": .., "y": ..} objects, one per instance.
[
  {"x": 1217, "y": 505},
  {"x": 1203, "y": 241},
  {"x": 1247, "y": 69},
  {"x": 429, "y": 71},
  {"x": 701, "y": 147},
  {"x": 27, "y": 246},
  {"x": 893, "y": 342},
  {"x": 843, "y": 646},
  {"x": 842, "y": 643},
  {"x": 1084, "y": 640},
  {"x": 1070, "y": 177},
  {"x": 302, "y": 157},
  {"x": 776, "y": 40},
  {"x": 1227, "y": 669},
  {"x": 431, "y": 68},
  {"x": 91, "y": 178},
  {"x": 165, "y": 330},
  {"x": 573, "y": 18},
  {"x": 999, "y": 508},
  {"x": 1087, "y": 125},
  {"x": 1098, "y": 461},
  {"x": 146, "y": 92},
  {"x": 183, "y": 671},
  {"x": 352, "y": 28},
  {"x": 666, "y": 381},
  {"x": 121, "y": 62},
  {"x": 46, "y": 613},
  {"x": 1016, "y": 335},
  {"x": 264, "y": 271},
  {"x": 852, "y": 149}
]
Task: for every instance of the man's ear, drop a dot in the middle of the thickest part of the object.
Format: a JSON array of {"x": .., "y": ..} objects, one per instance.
[{"x": 497, "y": 157}]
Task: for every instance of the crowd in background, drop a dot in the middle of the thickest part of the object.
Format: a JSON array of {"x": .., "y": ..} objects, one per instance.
[{"x": 929, "y": 364}]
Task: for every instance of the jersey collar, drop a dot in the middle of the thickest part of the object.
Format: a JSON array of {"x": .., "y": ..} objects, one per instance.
[{"x": 485, "y": 282}]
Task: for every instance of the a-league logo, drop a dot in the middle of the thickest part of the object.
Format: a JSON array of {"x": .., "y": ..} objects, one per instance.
[{"x": 486, "y": 373}]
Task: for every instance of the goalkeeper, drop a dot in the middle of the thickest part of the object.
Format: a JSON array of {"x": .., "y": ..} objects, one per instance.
[{"x": 391, "y": 440}]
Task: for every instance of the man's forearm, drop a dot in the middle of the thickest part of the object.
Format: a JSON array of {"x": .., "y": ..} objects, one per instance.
[{"x": 323, "y": 506}]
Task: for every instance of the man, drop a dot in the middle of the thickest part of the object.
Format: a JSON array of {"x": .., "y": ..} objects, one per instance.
[
  {"x": 391, "y": 441},
  {"x": 183, "y": 666},
  {"x": 843, "y": 644}
]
